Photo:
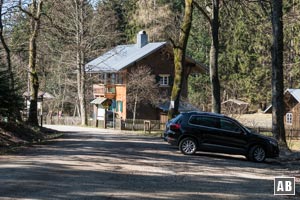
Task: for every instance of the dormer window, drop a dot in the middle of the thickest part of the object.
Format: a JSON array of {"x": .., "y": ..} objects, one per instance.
[{"x": 164, "y": 80}]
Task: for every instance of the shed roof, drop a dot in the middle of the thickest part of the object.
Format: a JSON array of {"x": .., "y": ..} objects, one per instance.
[
  {"x": 98, "y": 100},
  {"x": 41, "y": 94},
  {"x": 239, "y": 102},
  {"x": 121, "y": 56}
]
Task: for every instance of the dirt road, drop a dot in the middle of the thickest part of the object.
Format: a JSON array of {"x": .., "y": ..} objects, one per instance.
[{"x": 91, "y": 163}]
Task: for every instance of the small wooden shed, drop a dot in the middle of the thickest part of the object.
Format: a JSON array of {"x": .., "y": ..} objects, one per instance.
[{"x": 292, "y": 108}]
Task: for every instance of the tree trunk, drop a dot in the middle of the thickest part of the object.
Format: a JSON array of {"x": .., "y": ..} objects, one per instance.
[
  {"x": 179, "y": 58},
  {"x": 214, "y": 54},
  {"x": 80, "y": 62},
  {"x": 277, "y": 74},
  {"x": 134, "y": 111},
  {"x": 33, "y": 76}
]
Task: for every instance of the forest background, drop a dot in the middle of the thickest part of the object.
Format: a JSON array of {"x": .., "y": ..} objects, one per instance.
[{"x": 72, "y": 32}]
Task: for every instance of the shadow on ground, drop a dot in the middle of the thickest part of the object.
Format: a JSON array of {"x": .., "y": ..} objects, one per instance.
[{"x": 116, "y": 166}]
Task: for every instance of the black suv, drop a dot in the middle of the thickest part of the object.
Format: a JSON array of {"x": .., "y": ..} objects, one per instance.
[{"x": 212, "y": 132}]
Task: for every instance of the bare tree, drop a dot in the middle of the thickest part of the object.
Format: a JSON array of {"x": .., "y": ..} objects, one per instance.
[
  {"x": 141, "y": 87},
  {"x": 81, "y": 32},
  {"x": 277, "y": 74},
  {"x": 80, "y": 57}
]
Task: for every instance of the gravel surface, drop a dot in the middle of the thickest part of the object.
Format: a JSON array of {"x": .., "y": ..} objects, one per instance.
[{"x": 88, "y": 163}]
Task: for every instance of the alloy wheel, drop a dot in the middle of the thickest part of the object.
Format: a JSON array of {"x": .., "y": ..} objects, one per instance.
[
  {"x": 259, "y": 154},
  {"x": 188, "y": 146}
]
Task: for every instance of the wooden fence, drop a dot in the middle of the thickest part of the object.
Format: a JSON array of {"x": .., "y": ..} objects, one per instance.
[
  {"x": 65, "y": 120},
  {"x": 293, "y": 134},
  {"x": 148, "y": 125},
  {"x": 140, "y": 124}
]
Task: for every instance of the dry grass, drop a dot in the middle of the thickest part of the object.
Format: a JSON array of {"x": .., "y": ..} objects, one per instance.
[
  {"x": 255, "y": 120},
  {"x": 294, "y": 145}
]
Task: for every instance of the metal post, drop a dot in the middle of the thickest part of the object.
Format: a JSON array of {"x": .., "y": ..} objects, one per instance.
[{"x": 113, "y": 118}]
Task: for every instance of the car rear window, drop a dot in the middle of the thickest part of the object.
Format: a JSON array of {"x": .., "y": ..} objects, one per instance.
[{"x": 205, "y": 121}]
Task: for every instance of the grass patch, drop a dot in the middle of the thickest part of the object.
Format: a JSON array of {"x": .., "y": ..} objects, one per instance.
[{"x": 294, "y": 145}]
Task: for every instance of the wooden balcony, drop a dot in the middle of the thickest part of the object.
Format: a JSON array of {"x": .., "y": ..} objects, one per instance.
[{"x": 107, "y": 91}]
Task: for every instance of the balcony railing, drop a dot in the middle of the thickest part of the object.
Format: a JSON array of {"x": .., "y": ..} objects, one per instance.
[{"x": 107, "y": 91}]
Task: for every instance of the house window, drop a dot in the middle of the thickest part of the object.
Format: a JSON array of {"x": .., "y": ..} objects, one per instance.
[
  {"x": 119, "y": 78},
  {"x": 113, "y": 78},
  {"x": 164, "y": 79},
  {"x": 289, "y": 118}
]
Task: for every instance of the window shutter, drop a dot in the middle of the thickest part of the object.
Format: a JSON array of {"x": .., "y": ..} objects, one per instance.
[
  {"x": 117, "y": 106},
  {"x": 121, "y": 106},
  {"x": 157, "y": 78},
  {"x": 171, "y": 80}
]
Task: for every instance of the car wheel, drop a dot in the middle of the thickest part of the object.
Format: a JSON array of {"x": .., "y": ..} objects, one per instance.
[
  {"x": 257, "y": 154},
  {"x": 188, "y": 146}
]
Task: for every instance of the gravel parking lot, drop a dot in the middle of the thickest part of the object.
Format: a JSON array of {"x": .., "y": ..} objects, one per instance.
[{"x": 89, "y": 163}]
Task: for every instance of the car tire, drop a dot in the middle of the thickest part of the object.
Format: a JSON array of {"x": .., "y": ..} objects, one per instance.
[
  {"x": 188, "y": 146},
  {"x": 257, "y": 154}
]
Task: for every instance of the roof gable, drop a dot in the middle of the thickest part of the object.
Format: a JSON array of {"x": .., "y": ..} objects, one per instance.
[
  {"x": 295, "y": 93},
  {"x": 121, "y": 56}
]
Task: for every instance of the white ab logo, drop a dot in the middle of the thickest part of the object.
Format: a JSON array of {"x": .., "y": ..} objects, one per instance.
[
  {"x": 284, "y": 186},
  {"x": 288, "y": 186}
]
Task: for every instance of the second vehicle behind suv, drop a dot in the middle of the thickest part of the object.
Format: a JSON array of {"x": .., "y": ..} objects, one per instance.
[{"x": 212, "y": 132}]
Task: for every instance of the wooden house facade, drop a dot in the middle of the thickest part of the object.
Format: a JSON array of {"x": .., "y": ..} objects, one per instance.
[{"x": 113, "y": 67}]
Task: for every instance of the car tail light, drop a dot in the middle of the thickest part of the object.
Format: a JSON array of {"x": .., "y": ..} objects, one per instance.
[{"x": 175, "y": 127}]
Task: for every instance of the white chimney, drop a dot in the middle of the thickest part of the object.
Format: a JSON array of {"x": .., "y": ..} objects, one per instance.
[{"x": 142, "y": 39}]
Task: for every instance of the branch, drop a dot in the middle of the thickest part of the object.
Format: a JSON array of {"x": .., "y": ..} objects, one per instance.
[
  {"x": 29, "y": 13},
  {"x": 173, "y": 43},
  {"x": 23, "y": 10},
  {"x": 39, "y": 10},
  {"x": 203, "y": 12},
  {"x": 57, "y": 27}
]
